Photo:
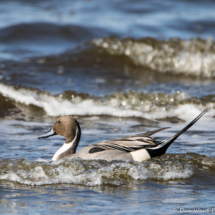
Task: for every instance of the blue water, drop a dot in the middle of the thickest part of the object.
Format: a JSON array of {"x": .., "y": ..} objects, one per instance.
[{"x": 120, "y": 67}]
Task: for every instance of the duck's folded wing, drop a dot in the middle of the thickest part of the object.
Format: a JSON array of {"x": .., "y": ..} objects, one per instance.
[
  {"x": 150, "y": 133},
  {"x": 127, "y": 144}
]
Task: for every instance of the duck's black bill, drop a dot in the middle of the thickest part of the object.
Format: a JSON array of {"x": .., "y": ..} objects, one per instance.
[{"x": 48, "y": 134}]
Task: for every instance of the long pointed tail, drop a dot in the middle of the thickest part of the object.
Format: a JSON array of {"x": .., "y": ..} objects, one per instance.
[{"x": 163, "y": 146}]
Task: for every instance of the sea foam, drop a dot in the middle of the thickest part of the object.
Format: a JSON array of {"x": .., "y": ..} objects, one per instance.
[
  {"x": 118, "y": 105},
  {"x": 94, "y": 172}
]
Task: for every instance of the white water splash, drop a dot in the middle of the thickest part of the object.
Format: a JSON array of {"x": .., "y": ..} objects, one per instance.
[
  {"x": 89, "y": 173},
  {"x": 191, "y": 57},
  {"x": 57, "y": 106}
]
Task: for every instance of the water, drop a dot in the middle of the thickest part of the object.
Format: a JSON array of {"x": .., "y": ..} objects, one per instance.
[{"x": 120, "y": 67}]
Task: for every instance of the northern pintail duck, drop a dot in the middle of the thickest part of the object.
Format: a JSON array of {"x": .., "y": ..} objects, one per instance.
[{"x": 138, "y": 147}]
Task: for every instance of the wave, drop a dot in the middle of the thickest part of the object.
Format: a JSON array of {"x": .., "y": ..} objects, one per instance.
[
  {"x": 7, "y": 106},
  {"x": 194, "y": 57},
  {"x": 100, "y": 172},
  {"x": 128, "y": 104},
  {"x": 41, "y": 31},
  {"x": 33, "y": 39}
]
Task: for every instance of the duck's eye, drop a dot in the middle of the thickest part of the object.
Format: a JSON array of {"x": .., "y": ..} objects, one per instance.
[{"x": 59, "y": 121}]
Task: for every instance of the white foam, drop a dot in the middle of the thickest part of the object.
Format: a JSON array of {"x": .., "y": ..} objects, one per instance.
[
  {"x": 181, "y": 174},
  {"x": 165, "y": 58},
  {"x": 56, "y": 106},
  {"x": 90, "y": 173}
]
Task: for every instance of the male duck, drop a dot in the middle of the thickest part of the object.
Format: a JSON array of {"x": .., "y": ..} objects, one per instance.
[{"x": 138, "y": 147}]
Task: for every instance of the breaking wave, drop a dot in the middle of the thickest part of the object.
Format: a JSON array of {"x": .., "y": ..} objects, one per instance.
[
  {"x": 195, "y": 57},
  {"x": 128, "y": 104},
  {"x": 100, "y": 172}
]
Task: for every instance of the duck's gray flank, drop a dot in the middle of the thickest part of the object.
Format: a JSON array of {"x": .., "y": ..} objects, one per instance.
[{"x": 138, "y": 147}]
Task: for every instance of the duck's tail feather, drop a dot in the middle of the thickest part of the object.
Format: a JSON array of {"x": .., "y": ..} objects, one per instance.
[{"x": 163, "y": 145}]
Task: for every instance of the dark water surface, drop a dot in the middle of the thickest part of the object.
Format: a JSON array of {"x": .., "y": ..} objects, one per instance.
[{"x": 120, "y": 67}]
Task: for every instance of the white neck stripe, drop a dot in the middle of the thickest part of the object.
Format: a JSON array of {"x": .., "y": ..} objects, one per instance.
[{"x": 65, "y": 147}]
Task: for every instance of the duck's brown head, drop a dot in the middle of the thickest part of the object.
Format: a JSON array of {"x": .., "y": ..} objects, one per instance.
[{"x": 65, "y": 126}]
